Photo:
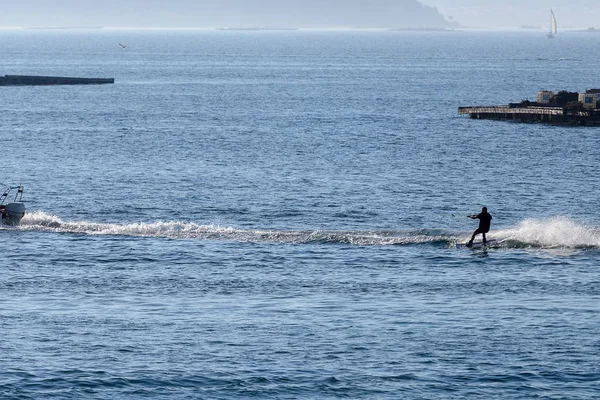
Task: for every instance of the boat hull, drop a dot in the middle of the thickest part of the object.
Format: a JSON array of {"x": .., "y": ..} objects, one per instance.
[{"x": 13, "y": 213}]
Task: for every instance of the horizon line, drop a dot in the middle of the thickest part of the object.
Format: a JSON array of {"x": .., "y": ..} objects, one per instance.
[{"x": 283, "y": 28}]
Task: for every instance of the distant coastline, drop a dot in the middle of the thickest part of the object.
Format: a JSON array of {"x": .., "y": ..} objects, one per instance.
[
  {"x": 459, "y": 28},
  {"x": 251, "y": 28},
  {"x": 424, "y": 30},
  {"x": 591, "y": 29},
  {"x": 62, "y": 27}
]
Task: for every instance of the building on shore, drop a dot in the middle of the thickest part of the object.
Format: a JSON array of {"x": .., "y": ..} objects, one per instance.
[
  {"x": 590, "y": 98},
  {"x": 564, "y": 107},
  {"x": 544, "y": 96}
]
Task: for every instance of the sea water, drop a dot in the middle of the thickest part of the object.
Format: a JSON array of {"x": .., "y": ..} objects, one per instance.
[{"x": 274, "y": 215}]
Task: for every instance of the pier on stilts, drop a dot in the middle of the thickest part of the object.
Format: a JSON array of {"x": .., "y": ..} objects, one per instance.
[
  {"x": 557, "y": 115},
  {"x": 570, "y": 108}
]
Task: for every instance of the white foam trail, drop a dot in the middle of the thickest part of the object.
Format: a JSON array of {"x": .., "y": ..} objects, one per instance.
[
  {"x": 558, "y": 232},
  {"x": 40, "y": 221}
]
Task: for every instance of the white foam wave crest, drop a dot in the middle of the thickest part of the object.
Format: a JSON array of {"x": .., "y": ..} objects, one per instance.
[
  {"x": 558, "y": 232},
  {"x": 40, "y": 221}
]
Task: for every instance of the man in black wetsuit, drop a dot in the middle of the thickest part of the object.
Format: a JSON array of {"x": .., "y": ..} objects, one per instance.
[{"x": 485, "y": 219}]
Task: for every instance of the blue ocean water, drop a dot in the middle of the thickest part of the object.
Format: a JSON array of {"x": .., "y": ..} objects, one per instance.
[{"x": 274, "y": 215}]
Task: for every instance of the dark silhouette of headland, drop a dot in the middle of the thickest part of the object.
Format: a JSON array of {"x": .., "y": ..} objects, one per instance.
[{"x": 32, "y": 80}]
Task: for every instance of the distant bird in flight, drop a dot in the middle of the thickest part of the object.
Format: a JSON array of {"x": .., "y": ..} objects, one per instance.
[{"x": 124, "y": 46}]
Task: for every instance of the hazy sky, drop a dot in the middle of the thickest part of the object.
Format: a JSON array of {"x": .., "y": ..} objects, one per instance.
[
  {"x": 507, "y": 13},
  {"x": 219, "y": 13},
  {"x": 333, "y": 13}
]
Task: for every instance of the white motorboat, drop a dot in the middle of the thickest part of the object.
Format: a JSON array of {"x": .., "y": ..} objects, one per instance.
[{"x": 12, "y": 211}]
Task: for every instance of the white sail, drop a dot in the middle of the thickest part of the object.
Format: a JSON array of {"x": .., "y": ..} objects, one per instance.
[{"x": 553, "y": 29}]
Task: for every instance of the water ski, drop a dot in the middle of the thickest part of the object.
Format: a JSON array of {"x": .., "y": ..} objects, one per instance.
[{"x": 477, "y": 245}]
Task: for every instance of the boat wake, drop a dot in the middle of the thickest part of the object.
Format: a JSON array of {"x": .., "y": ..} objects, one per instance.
[
  {"x": 40, "y": 221},
  {"x": 554, "y": 233},
  {"x": 559, "y": 232}
]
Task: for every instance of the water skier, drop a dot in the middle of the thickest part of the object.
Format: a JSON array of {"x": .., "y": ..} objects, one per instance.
[{"x": 485, "y": 220}]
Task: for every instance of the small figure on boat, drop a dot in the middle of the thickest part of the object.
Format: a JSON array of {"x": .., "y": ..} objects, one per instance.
[{"x": 485, "y": 220}]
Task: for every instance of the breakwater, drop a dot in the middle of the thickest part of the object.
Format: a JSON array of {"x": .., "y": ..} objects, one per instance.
[{"x": 32, "y": 80}]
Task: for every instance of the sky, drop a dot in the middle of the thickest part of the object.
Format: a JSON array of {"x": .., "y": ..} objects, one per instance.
[
  {"x": 219, "y": 13},
  {"x": 312, "y": 13},
  {"x": 516, "y": 13}
]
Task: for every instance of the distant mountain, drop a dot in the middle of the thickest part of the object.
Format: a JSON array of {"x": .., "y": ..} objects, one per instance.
[{"x": 399, "y": 14}]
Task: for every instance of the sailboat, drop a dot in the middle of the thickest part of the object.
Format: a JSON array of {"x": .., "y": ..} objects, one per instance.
[{"x": 552, "y": 26}]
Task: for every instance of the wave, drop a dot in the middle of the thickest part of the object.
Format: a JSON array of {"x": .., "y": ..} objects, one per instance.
[{"x": 558, "y": 232}]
